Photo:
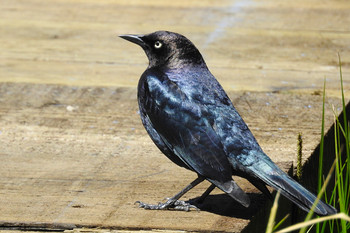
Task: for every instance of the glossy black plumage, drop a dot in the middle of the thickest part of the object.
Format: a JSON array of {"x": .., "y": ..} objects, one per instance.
[{"x": 192, "y": 121}]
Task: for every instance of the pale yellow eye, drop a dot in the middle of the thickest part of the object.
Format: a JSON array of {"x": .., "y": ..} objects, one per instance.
[{"x": 158, "y": 45}]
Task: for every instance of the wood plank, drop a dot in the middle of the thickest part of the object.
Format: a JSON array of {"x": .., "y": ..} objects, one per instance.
[
  {"x": 248, "y": 45},
  {"x": 79, "y": 156}
]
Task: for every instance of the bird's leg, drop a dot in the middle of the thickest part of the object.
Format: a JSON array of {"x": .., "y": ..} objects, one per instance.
[
  {"x": 174, "y": 201},
  {"x": 206, "y": 193}
]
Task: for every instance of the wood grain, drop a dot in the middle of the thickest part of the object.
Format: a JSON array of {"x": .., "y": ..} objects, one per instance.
[{"x": 249, "y": 45}]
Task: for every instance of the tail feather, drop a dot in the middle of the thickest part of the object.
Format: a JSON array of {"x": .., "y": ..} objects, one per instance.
[
  {"x": 299, "y": 195},
  {"x": 273, "y": 176},
  {"x": 233, "y": 190}
]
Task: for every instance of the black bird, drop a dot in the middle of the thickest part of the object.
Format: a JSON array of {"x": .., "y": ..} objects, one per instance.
[{"x": 192, "y": 121}]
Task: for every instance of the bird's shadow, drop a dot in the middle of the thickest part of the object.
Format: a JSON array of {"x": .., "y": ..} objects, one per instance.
[{"x": 224, "y": 205}]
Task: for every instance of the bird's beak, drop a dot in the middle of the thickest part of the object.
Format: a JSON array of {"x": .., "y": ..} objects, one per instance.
[{"x": 137, "y": 39}]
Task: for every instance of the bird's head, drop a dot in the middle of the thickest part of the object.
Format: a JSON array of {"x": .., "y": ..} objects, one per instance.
[{"x": 167, "y": 49}]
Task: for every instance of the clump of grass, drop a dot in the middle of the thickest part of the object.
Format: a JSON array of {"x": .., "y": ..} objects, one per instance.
[
  {"x": 300, "y": 157},
  {"x": 340, "y": 195}
]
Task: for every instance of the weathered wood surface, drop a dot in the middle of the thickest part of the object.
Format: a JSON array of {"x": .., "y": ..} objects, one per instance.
[
  {"x": 74, "y": 153},
  {"x": 249, "y": 45},
  {"x": 78, "y": 156}
]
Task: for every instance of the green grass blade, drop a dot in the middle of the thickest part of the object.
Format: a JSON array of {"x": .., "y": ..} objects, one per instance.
[
  {"x": 280, "y": 222},
  {"x": 314, "y": 221},
  {"x": 323, "y": 188},
  {"x": 273, "y": 212},
  {"x": 320, "y": 162}
]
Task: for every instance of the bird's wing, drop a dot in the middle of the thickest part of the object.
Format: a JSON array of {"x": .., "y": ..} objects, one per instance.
[
  {"x": 156, "y": 138},
  {"x": 180, "y": 124},
  {"x": 185, "y": 128}
]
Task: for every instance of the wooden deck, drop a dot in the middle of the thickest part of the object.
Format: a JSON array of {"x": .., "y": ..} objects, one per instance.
[{"x": 74, "y": 153}]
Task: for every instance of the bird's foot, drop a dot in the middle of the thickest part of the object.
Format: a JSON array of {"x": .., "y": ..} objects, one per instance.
[{"x": 170, "y": 204}]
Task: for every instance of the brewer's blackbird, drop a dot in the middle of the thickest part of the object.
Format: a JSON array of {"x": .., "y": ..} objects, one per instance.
[{"x": 192, "y": 121}]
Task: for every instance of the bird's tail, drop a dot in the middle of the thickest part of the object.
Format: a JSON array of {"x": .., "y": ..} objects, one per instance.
[
  {"x": 232, "y": 189},
  {"x": 273, "y": 176},
  {"x": 299, "y": 195}
]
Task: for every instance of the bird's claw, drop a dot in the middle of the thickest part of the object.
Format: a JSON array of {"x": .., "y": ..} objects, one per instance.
[
  {"x": 184, "y": 206},
  {"x": 168, "y": 205}
]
